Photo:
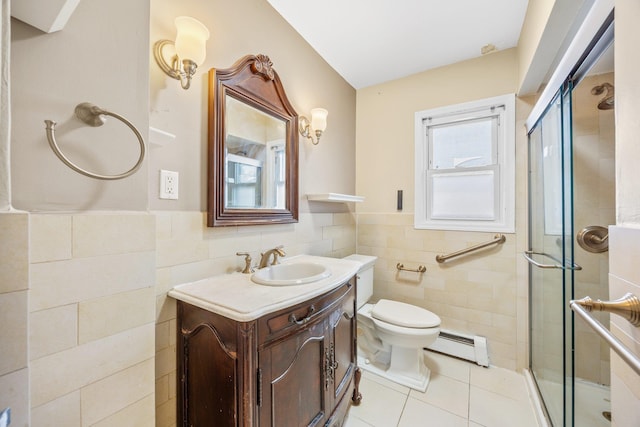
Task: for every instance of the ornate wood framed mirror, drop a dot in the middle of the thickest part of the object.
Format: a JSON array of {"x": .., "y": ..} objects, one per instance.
[{"x": 253, "y": 146}]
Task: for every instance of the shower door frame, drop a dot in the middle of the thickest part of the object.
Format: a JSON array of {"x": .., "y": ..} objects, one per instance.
[
  {"x": 545, "y": 262},
  {"x": 572, "y": 68}
]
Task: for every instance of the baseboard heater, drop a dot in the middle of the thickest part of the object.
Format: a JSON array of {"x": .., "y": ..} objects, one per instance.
[{"x": 468, "y": 347}]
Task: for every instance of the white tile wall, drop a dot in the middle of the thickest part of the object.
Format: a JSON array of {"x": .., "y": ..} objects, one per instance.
[
  {"x": 594, "y": 204},
  {"x": 14, "y": 297},
  {"x": 14, "y": 268},
  {"x": 46, "y": 336},
  {"x": 92, "y": 319},
  {"x": 624, "y": 276}
]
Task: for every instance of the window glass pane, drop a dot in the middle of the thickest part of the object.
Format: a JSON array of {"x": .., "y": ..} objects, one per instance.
[
  {"x": 464, "y": 144},
  {"x": 466, "y": 195}
]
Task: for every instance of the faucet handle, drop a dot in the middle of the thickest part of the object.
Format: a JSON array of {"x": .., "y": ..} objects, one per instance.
[
  {"x": 278, "y": 250},
  {"x": 247, "y": 262}
]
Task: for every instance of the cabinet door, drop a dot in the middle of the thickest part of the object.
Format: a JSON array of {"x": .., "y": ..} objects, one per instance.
[
  {"x": 207, "y": 369},
  {"x": 293, "y": 380},
  {"x": 343, "y": 341}
]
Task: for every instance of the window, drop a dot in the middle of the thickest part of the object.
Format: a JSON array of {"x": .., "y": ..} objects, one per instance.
[{"x": 465, "y": 166}]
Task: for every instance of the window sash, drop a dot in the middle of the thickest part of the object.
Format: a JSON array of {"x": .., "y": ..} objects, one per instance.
[
  {"x": 471, "y": 195},
  {"x": 435, "y": 147}
]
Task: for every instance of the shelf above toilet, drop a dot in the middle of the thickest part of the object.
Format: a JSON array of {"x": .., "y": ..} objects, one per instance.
[{"x": 335, "y": 198}]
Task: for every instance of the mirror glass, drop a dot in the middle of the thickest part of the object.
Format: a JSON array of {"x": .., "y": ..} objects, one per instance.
[
  {"x": 255, "y": 157},
  {"x": 253, "y": 147}
]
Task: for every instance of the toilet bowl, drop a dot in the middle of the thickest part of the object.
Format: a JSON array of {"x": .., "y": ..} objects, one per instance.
[{"x": 392, "y": 334}]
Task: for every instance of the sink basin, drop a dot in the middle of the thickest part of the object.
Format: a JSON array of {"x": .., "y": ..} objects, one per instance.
[{"x": 290, "y": 274}]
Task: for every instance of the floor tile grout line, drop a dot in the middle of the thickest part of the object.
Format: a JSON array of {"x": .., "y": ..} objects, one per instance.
[{"x": 406, "y": 399}]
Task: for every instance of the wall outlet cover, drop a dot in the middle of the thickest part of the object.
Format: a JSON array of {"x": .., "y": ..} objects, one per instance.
[{"x": 168, "y": 185}]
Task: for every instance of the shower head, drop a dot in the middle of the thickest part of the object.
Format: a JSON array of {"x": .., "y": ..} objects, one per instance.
[{"x": 606, "y": 103}]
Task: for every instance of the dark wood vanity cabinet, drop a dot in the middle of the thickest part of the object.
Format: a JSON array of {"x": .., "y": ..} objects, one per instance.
[{"x": 293, "y": 367}]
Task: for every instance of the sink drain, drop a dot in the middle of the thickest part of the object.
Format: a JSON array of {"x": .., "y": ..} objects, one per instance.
[{"x": 607, "y": 415}]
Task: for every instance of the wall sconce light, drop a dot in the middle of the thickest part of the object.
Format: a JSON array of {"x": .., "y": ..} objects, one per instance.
[
  {"x": 318, "y": 124},
  {"x": 190, "y": 47}
]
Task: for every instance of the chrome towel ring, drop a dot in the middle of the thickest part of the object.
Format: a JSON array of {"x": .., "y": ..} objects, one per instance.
[{"x": 93, "y": 116}]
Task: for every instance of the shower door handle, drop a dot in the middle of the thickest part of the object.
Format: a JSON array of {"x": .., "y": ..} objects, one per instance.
[{"x": 527, "y": 255}]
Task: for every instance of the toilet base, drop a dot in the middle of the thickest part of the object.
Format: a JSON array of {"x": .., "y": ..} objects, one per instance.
[{"x": 399, "y": 371}]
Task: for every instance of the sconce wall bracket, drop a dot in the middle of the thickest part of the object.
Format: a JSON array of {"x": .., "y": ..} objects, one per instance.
[
  {"x": 174, "y": 70},
  {"x": 304, "y": 127}
]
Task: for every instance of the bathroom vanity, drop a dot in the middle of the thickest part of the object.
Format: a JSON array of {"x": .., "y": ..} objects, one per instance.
[{"x": 256, "y": 355}]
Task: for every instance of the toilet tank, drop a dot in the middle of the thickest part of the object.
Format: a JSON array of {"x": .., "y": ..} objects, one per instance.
[{"x": 365, "y": 277}]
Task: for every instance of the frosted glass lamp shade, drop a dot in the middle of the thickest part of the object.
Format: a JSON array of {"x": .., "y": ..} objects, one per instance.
[
  {"x": 191, "y": 39},
  {"x": 319, "y": 119}
]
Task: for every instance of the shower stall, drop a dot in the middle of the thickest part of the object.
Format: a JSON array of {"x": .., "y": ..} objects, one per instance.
[{"x": 571, "y": 203}]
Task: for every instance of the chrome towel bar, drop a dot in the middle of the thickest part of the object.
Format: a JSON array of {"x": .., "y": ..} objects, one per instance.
[
  {"x": 559, "y": 264},
  {"x": 498, "y": 239},
  {"x": 93, "y": 116},
  {"x": 628, "y": 303},
  {"x": 420, "y": 269},
  {"x": 628, "y": 307}
]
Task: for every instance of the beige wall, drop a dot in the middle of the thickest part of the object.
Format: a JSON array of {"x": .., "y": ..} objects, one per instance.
[
  {"x": 5, "y": 110},
  {"x": 88, "y": 61},
  {"x": 241, "y": 28},
  {"x": 385, "y": 121},
  {"x": 100, "y": 279},
  {"x": 624, "y": 250},
  {"x": 532, "y": 31},
  {"x": 548, "y": 29},
  {"x": 483, "y": 294}
]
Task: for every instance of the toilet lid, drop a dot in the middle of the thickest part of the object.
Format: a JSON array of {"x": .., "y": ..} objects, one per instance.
[{"x": 406, "y": 315}]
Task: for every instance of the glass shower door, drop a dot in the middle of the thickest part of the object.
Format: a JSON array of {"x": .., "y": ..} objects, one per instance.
[{"x": 550, "y": 257}]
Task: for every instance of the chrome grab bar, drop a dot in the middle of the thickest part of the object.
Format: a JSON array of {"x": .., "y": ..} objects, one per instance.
[
  {"x": 499, "y": 238},
  {"x": 560, "y": 264},
  {"x": 616, "y": 345}
]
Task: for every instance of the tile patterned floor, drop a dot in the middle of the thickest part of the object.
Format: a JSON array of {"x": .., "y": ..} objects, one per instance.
[{"x": 460, "y": 394}]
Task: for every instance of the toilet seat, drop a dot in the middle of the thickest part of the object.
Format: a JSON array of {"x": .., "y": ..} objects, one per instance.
[{"x": 404, "y": 315}]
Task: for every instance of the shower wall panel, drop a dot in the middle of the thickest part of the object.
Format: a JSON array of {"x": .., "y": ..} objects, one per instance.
[{"x": 594, "y": 204}]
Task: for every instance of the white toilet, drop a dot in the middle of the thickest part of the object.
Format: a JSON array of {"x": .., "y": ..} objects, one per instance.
[{"x": 392, "y": 334}]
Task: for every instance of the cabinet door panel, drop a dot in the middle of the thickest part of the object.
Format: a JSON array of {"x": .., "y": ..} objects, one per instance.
[
  {"x": 343, "y": 341},
  {"x": 210, "y": 376},
  {"x": 294, "y": 381}
]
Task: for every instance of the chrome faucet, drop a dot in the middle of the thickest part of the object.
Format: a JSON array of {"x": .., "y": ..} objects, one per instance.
[{"x": 264, "y": 260}]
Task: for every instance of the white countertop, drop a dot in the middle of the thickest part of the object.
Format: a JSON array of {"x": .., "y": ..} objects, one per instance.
[{"x": 235, "y": 296}]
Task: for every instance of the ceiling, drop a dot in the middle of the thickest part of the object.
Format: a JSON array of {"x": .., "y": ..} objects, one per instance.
[{"x": 373, "y": 41}]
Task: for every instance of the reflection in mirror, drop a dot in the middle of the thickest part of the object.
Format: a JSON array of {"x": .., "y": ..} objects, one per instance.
[
  {"x": 254, "y": 158},
  {"x": 252, "y": 173}
]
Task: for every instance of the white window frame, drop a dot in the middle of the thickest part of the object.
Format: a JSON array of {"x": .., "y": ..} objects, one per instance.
[{"x": 504, "y": 195}]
